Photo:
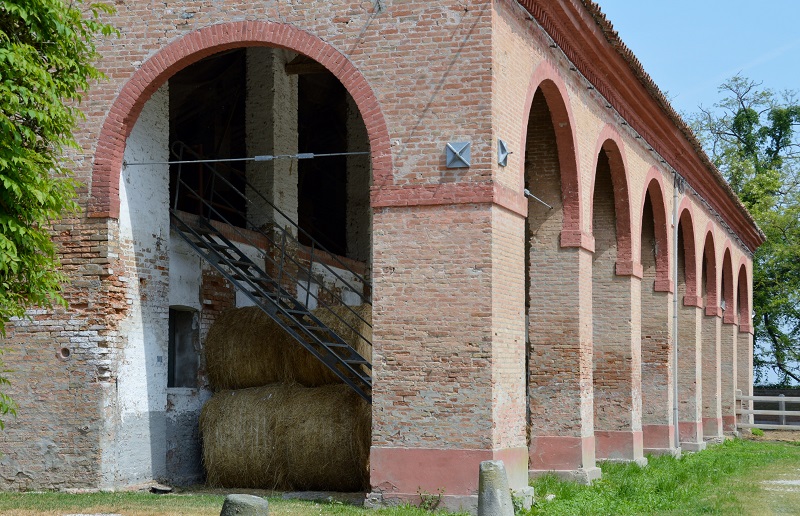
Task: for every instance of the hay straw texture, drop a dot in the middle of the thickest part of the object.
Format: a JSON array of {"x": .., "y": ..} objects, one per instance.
[
  {"x": 287, "y": 437},
  {"x": 245, "y": 348}
]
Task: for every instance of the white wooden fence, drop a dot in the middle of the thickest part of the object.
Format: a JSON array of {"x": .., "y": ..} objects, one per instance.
[{"x": 743, "y": 408}]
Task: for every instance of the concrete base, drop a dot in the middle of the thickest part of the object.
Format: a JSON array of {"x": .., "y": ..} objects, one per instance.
[
  {"x": 454, "y": 503},
  {"x": 562, "y": 453},
  {"x": 448, "y": 477},
  {"x": 655, "y": 437},
  {"x": 693, "y": 447},
  {"x": 691, "y": 431},
  {"x": 728, "y": 424},
  {"x": 581, "y": 475},
  {"x": 641, "y": 461},
  {"x": 712, "y": 427},
  {"x": 675, "y": 452},
  {"x": 621, "y": 446}
]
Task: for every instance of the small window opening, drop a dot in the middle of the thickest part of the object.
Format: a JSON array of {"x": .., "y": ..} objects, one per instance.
[{"x": 183, "y": 360}]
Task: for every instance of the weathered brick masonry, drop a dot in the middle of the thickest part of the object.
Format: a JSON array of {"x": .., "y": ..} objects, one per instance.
[{"x": 502, "y": 329}]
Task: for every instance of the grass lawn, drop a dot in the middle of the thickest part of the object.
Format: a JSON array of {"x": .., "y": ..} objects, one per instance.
[
  {"x": 146, "y": 504},
  {"x": 738, "y": 477}
]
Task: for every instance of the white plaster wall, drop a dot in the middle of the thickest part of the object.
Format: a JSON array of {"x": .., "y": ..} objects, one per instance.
[
  {"x": 185, "y": 276},
  {"x": 144, "y": 237},
  {"x": 325, "y": 276}
]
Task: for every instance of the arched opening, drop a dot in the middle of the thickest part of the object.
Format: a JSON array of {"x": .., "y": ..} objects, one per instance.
[
  {"x": 689, "y": 346},
  {"x": 728, "y": 344},
  {"x": 657, "y": 427},
  {"x": 710, "y": 334},
  {"x": 744, "y": 341},
  {"x": 555, "y": 371},
  {"x": 616, "y": 329},
  {"x": 302, "y": 221}
]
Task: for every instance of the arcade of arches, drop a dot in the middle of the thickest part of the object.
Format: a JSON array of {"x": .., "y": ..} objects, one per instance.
[{"x": 527, "y": 311}]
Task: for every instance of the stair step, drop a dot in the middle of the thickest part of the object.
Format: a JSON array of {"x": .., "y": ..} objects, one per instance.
[
  {"x": 296, "y": 312},
  {"x": 202, "y": 230},
  {"x": 262, "y": 279},
  {"x": 258, "y": 293},
  {"x": 240, "y": 263},
  {"x": 316, "y": 328},
  {"x": 335, "y": 345},
  {"x": 213, "y": 245}
]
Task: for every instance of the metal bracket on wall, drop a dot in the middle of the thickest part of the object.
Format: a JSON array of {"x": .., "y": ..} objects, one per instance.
[
  {"x": 502, "y": 153},
  {"x": 458, "y": 154}
]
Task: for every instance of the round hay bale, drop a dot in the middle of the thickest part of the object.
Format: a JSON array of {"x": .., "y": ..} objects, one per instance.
[
  {"x": 246, "y": 348},
  {"x": 287, "y": 437}
]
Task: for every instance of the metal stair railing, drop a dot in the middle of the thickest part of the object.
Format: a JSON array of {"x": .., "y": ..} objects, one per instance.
[
  {"x": 268, "y": 292},
  {"x": 179, "y": 150}
]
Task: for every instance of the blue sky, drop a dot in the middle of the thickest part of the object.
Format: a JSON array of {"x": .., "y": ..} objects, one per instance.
[{"x": 690, "y": 47}]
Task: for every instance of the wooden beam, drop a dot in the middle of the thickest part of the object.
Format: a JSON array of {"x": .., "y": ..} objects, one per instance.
[{"x": 304, "y": 65}]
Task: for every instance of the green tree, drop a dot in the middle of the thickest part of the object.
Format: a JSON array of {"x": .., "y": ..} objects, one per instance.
[
  {"x": 751, "y": 136},
  {"x": 47, "y": 52}
]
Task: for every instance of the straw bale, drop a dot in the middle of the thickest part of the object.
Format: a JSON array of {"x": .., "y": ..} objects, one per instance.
[
  {"x": 287, "y": 437},
  {"x": 246, "y": 348}
]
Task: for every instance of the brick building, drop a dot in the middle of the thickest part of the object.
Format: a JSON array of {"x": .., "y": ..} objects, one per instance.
[{"x": 539, "y": 331}]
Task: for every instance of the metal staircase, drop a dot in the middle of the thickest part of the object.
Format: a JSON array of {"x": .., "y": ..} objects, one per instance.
[{"x": 269, "y": 291}]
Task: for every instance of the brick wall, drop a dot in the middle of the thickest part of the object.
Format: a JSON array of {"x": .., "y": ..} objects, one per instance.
[{"x": 449, "y": 248}]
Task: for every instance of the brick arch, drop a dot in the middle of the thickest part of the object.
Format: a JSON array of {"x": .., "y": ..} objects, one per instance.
[
  {"x": 711, "y": 272},
  {"x": 547, "y": 78},
  {"x": 729, "y": 315},
  {"x": 197, "y": 45},
  {"x": 611, "y": 142},
  {"x": 655, "y": 188},
  {"x": 743, "y": 297},
  {"x": 686, "y": 222}
]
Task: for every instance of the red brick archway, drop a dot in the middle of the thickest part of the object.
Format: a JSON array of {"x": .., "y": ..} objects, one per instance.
[
  {"x": 611, "y": 142},
  {"x": 193, "y": 47},
  {"x": 686, "y": 222},
  {"x": 655, "y": 188},
  {"x": 710, "y": 272},
  {"x": 729, "y": 315},
  {"x": 547, "y": 78},
  {"x": 743, "y": 296}
]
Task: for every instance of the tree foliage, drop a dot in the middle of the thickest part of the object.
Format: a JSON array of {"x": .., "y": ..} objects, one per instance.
[
  {"x": 47, "y": 52},
  {"x": 752, "y": 137}
]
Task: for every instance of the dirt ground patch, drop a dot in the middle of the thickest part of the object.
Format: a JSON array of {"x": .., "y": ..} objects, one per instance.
[{"x": 783, "y": 436}]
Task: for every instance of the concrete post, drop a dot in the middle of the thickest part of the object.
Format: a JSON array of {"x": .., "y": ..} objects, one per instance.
[
  {"x": 244, "y": 505},
  {"x": 494, "y": 495}
]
